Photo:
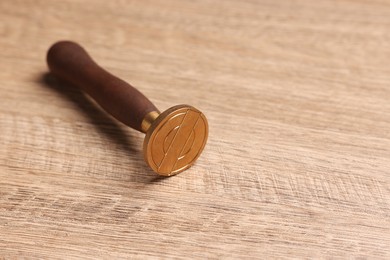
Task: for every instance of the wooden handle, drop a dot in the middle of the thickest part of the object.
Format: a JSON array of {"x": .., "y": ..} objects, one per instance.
[{"x": 69, "y": 61}]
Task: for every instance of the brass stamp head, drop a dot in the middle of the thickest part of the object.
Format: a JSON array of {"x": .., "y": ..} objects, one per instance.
[{"x": 175, "y": 140}]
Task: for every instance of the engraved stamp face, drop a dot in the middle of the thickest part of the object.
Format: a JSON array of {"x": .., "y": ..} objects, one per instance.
[{"x": 175, "y": 140}]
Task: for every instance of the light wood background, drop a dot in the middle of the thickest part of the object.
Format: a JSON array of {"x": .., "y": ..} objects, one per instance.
[{"x": 297, "y": 94}]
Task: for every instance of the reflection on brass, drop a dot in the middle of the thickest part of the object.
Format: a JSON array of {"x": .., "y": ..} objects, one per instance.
[
  {"x": 148, "y": 120},
  {"x": 175, "y": 139}
]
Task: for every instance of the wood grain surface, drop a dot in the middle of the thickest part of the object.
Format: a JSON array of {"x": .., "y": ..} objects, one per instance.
[{"x": 297, "y": 94}]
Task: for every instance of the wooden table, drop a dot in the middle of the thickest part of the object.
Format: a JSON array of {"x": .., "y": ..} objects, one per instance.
[{"x": 297, "y": 94}]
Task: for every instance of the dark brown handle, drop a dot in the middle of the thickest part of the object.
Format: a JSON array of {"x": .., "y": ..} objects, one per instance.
[{"x": 68, "y": 60}]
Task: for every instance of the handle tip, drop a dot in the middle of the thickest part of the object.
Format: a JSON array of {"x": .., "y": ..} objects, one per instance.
[{"x": 59, "y": 47}]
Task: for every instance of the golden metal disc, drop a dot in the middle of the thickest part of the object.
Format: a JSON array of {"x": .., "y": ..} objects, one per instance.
[{"x": 175, "y": 140}]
